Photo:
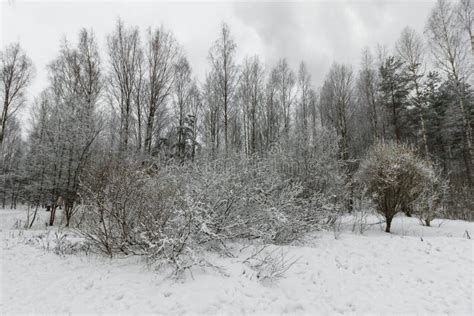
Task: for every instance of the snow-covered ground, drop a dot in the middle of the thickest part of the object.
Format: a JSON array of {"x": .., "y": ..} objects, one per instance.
[{"x": 414, "y": 270}]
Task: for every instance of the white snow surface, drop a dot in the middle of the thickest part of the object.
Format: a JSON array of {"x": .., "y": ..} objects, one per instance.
[{"x": 414, "y": 270}]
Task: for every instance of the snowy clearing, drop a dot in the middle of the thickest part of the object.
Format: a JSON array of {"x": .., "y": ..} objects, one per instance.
[{"x": 416, "y": 269}]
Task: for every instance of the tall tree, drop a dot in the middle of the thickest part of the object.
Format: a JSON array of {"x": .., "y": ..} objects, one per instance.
[
  {"x": 124, "y": 58},
  {"x": 16, "y": 72},
  {"x": 465, "y": 12},
  {"x": 273, "y": 111},
  {"x": 367, "y": 90},
  {"x": 195, "y": 112},
  {"x": 222, "y": 58},
  {"x": 162, "y": 53},
  {"x": 252, "y": 96},
  {"x": 285, "y": 91},
  {"x": 11, "y": 158},
  {"x": 337, "y": 104},
  {"x": 183, "y": 94},
  {"x": 449, "y": 47},
  {"x": 410, "y": 50},
  {"x": 68, "y": 123},
  {"x": 394, "y": 92},
  {"x": 211, "y": 102}
]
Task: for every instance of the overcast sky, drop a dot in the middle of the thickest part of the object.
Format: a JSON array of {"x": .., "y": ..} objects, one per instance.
[{"x": 317, "y": 32}]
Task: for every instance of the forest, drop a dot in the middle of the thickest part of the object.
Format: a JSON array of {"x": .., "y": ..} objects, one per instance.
[{"x": 141, "y": 158}]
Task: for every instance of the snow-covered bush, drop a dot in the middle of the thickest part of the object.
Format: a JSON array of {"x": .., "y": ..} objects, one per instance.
[
  {"x": 171, "y": 212},
  {"x": 429, "y": 203},
  {"x": 269, "y": 264},
  {"x": 121, "y": 202},
  {"x": 245, "y": 198},
  {"x": 393, "y": 177},
  {"x": 269, "y": 198}
]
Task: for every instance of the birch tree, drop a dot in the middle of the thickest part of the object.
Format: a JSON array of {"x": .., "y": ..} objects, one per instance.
[
  {"x": 465, "y": 12},
  {"x": 285, "y": 89},
  {"x": 304, "y": 102}
]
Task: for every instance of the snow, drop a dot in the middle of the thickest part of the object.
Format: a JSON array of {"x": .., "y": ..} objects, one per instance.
[{"x": 416, "y": 270}]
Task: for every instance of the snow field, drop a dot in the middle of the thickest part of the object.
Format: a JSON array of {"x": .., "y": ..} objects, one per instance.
[{"x": 414, "y": 270}]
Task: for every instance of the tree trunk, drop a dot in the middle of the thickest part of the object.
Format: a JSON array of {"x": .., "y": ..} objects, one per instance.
[
  {"x": 53, "y": 215},
  {"x": 34, "y": 217},
  {"x": 389, "y": 224},
  {"x": 68, "y": 212},
  {"x": 4, "y": 115},
  {"x": 148, "y": 133},
  {"x": 467, "y": 132},
  {"x": 4, "y": 199},
  {"x": 423, "y": 134}
]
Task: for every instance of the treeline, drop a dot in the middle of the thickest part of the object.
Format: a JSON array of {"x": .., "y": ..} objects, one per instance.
[{"x": 142, "y": 107}]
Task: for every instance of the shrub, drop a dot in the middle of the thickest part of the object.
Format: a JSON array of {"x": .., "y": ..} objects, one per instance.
[
  {"x": 429, "y": 203},
  {"x": 393, "y": 177},
  {"x": 171, "y": 212},
  {"x": 121, "y": 203}
]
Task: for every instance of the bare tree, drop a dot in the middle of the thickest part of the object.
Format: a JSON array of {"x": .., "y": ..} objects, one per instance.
[
  {"x": 336, "y": 101},
  {"x": 272, "y": 110},
  {"x": 16, "y": 72},
  {"x": 195, "y": 112},
  {"x": 465, "y": 11},
  {"x": 161, "y": 53},
  {"x": 285, "y": 90},
  {"x": 304, "y": 101},
  {"x": 11, "y": 154},
  {"x": 313, "y": 110},
  {"x": 251, "y": 93},
  {"x": 139, "y": 102},
  {"x": 367, "y": 91},
  {"x": 70, "y": 125},
  {"x": 124, "y": 57},
  {"x": 211, "y": 102},
  {"x": 222, "y": 58},
  {"x": 183, "y": 92}
]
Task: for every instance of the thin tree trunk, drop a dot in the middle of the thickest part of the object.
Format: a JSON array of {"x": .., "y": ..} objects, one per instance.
[
  {"x": 53, "y": 214},
  {"x": 34, "y": 217},
  {"x": 389, "y": 224},
  {"x": 149, "y": 131}
]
